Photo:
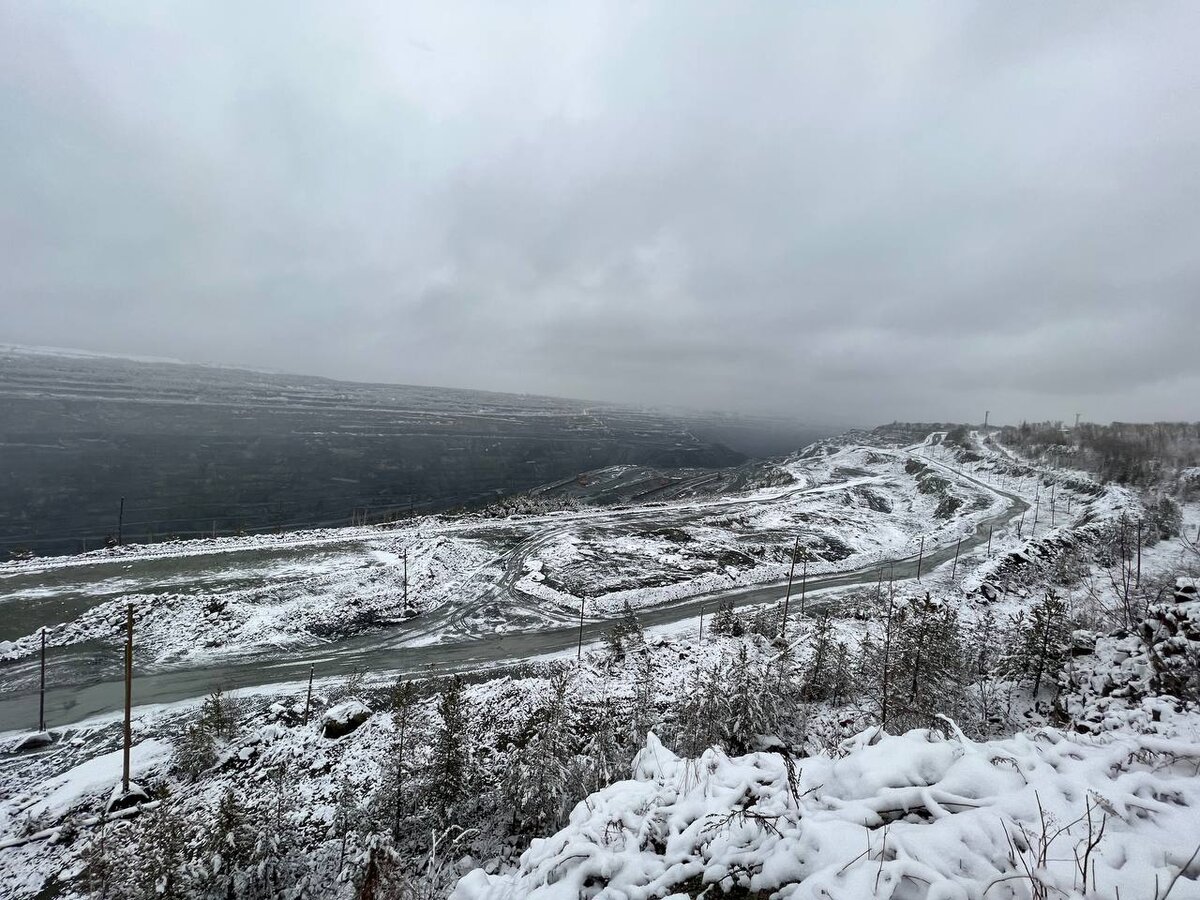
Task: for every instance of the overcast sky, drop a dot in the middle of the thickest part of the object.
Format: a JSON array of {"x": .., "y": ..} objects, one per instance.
[{"x": 845, "y": 212}]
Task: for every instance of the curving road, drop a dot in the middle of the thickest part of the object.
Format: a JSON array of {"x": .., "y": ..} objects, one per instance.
[{"x": 86, "y": 686}]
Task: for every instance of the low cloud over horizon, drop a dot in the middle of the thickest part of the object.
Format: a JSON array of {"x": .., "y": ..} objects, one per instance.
[{"x": 843, "y": 213}]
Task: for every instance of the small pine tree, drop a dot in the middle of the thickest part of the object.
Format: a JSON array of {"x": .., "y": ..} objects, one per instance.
[
  {"x": 227, "y": 844},
  {"x": 926, "y": 665},
  {"x": 269, "y": 856},
  {"x": 538, "y": 782},
  {"x": 100, "y": 865},
  {"x": 601, "y": 760},
  {"x": 767, "y": 621},
  {"x": 218, "y": 715},
  {"x": 448, "y": 765},
  {"x": 1043, "y": 641},
  {"x": 644, "y": 712},
  {"x": 817, "y": 684},
  {"x": 1166, "y": 520},
  {"x": 841, "y": 678},
  {"x": 625, "y": 634},
  {"x": 158, "y": 867},
  {"x": 866, "y": 668},
  {"x": 751, "y": 706},
  {"x": 699, "y": 721},
  {"x": 631, "y": 628},
  {"x": 614, "y": 641},
  {"x": 984, "y": 669},
  {"x": 404, "y": 701},
  {"x": 726, "y": 621}
]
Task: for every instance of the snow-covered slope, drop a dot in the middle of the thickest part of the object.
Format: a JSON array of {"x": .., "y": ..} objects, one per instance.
[{"x": 915, "y": 815}]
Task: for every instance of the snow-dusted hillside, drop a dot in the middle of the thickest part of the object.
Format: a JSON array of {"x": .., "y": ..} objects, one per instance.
[{"x": 1018, "y": 721}]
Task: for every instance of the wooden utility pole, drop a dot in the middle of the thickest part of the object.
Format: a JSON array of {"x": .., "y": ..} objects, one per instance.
[
  {"x": 42, "y": 696},
  {"x": 954, "y": 568},
  {"x": 920, "y": 557},
  {"x": 406, "y": 578},
  {"x": 1139, "y": 564},
  {"x": 1020, "y": 526},
  {"x": 700, "y": 641},
  {"x": 788, "y": 596},
  {"x": 120, "y": 521},
  {"x": 128, "y": 696},
  {"x": 308, "y": 699},
  {"x": 579, "y": 646},
  {"x": 804, "y": 581},
  {"x": 989, "y": 542}
]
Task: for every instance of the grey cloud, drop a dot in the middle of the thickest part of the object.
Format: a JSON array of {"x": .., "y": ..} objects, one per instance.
[{"x": 839, "y": 212}]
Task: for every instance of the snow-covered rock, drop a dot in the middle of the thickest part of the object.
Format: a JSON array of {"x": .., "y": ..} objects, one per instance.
[
  {"x": 1129, "y": 679},
  {"x": 342, "y": 719},
  {"x": 34, "y": 740}
]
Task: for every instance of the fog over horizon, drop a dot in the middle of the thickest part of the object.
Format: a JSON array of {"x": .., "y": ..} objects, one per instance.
[{"x": 848, "y": 215}]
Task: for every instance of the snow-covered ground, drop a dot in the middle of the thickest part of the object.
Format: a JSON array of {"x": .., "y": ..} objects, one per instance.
[
  {"x": 913, "y": 815},
  {"x": 248, "y": 597},
  {"x": 200, "y": 602},
  {"x": 1084, "y": 789},
  {"x": 861, "y": 507}
]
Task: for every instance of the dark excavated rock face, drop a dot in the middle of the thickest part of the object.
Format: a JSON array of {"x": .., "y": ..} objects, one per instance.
[{"x": 195, "y": 449}]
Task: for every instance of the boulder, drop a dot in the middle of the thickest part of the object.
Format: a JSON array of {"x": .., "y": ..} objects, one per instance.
[
  {"x": 34, "y": 740},
  {"x": 1083, "y": 643},
  {"x": 342, "y": 719},
  {"x": 121, "y": 799}
]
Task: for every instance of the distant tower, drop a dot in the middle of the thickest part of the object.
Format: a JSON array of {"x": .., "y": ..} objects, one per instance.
[
  {"x": 1076, "y": 420},
  {"x": 986, "y": 413}
]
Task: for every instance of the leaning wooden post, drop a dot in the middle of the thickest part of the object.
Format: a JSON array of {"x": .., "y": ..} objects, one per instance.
[
  {"x": 308, "y": 699},
  {"x": 700, "y": 640},
  {"x": 128, "y": 697},
  {"x": 579, "y": 646},
  {"x": 954, "y": 568},
  {"x": 42, "y": 695},
  {"x": 920, "y": 557},
  {"x": 804, "y": 582},
  {"x": 989, "y": 542},
  {"x": 788, "y": 596}
]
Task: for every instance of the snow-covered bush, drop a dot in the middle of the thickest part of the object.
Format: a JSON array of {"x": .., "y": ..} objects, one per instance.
[{"x": 914, "y": 815}]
